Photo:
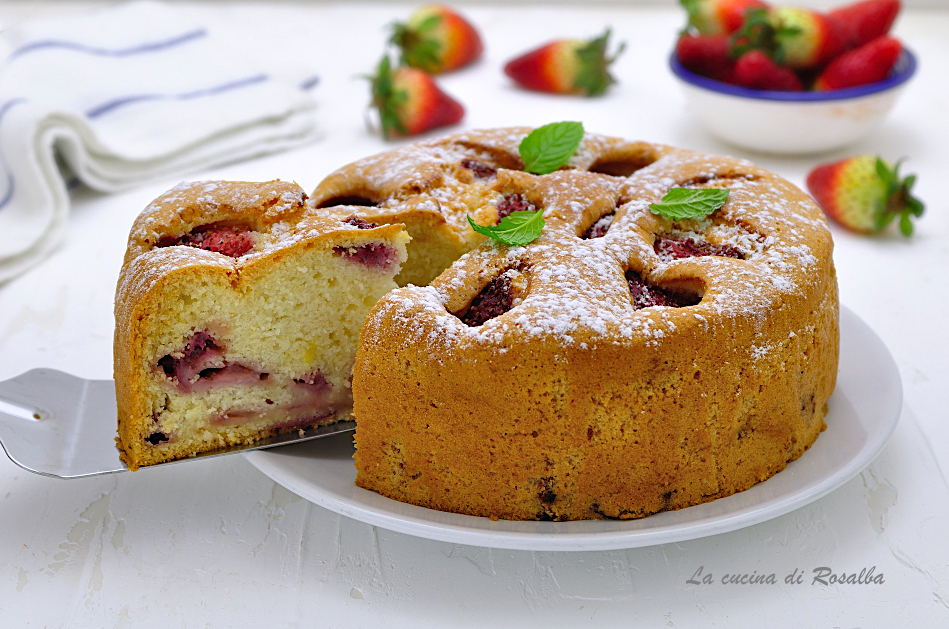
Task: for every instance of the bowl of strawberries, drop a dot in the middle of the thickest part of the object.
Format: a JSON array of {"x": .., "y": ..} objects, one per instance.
[{"x": 787, "y": 80}]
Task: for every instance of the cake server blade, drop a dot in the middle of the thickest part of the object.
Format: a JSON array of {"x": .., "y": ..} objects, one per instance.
[{"x": 56, "y": 424}]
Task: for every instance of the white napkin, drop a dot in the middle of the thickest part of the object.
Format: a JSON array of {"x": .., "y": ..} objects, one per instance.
[{"x": 126, "y": 94}]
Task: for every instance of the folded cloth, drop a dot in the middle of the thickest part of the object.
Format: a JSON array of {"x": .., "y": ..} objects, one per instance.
[{"x": 126, "y": 94}]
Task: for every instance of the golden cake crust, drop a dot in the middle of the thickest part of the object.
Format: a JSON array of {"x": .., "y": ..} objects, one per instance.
[{"x": 574, "y": 404}]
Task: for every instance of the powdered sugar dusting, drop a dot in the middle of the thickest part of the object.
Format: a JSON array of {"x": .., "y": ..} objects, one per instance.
[
  {"x": 576, "y": 294},
  {"x": 273, "y": 211}
]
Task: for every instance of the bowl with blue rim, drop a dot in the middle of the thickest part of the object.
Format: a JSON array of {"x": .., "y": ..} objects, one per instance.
[{"x": 792, "y": 123}]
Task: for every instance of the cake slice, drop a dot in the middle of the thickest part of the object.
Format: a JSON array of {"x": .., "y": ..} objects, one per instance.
[{"x": 238, "y": 312}]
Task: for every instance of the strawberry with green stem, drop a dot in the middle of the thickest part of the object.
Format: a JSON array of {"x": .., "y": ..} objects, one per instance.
[
  {"x": 865, "y": 194},
  {"x": 436, "y": 39},
  {"x": 718, "y": 17},
  {"x": 566, "y": 66},
  {"x": 409, "y": 101},
  {"x": 797, "y": 38}
]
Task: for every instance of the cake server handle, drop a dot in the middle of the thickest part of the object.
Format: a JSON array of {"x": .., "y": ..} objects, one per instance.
[{"x": 56, "y": 424}]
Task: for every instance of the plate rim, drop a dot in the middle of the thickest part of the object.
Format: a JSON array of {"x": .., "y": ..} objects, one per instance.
[{"x": 421, "y": 522}]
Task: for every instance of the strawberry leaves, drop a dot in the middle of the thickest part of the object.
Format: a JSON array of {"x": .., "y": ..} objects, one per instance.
[
  {"x": 566, "y": 66},
  {"x": 762, "y": 32},
  {"x": 409, "y": 101},
  {"x": 386, "y": 98},
  {"x": 419, "y": 48},
  {"x": 436, "y": 39},
  {"x": 683, "y": 203},
  {"x": 897, "y": 200},
  {"x": 547, "y": 148},
  {"x": 593, "y": 76}
]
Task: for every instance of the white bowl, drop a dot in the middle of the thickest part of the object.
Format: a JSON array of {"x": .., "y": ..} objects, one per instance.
[{"x": 792, "y": 123}]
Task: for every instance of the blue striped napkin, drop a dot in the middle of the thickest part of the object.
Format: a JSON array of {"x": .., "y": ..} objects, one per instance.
[{"x": 126, "y": 94}]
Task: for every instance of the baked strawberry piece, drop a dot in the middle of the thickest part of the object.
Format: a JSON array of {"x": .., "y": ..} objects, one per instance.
[
  {"x": 514, "y": 203},
  {"x": 677, "y": 247},
  {"x": 645, "y": 295},
  {"x": 373, "y": 255},
  {"x": 498, "y": 297},
  {"x": 599, "y": 228},
  {"x": 229, "y": 240}
]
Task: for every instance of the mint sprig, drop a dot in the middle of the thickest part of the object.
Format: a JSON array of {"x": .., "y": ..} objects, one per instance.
[
  {"x": 544, "y": 150},
  {"x": 547, "y": 148},
  {"x": 516, "y": 229},
  {"x": 682, "y": 203}
]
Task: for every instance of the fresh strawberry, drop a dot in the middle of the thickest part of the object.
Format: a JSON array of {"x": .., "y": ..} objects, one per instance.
[
  {"x": 758, "y": 71},
  {"x": 865, "y": 194},
  {"x": 566, "y": 66},
  {"x": 437, "y": 39},
  {"x": 798, "y": 38},
  {"x": 865, "y": 21},
  {"x": 718, "y": 17},
  {"x": 869, "y": 63},
  {"x": 708, "y": 55},
  {"x": 409, "y": 101}
]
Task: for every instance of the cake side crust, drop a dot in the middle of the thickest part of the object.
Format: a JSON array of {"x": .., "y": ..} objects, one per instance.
[{"x": 576, "y": 404}]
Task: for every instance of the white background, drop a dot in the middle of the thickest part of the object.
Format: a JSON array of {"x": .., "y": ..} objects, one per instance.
[{"x": 217, "y": 544}]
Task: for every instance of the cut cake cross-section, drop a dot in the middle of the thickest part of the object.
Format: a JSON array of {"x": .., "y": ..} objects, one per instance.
[{"x": 237, "y": 316}]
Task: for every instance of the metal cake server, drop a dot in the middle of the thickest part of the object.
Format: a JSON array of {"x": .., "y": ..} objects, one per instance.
[{"x": 56, "y": 424}]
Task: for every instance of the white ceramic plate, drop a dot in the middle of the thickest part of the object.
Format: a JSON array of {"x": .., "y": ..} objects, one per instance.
[{"x": 864, "y": 411}]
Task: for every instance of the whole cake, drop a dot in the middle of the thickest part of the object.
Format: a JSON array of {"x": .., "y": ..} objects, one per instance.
[
  {"x": 237, "y": 316},
  {"x": 621, "y": 364}
]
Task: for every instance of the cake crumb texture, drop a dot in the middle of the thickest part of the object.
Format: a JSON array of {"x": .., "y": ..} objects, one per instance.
[{"x": 217, "y": 348}]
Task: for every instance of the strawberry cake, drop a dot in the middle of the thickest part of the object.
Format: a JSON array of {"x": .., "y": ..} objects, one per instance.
[
  {"x": 237, "y": 316},
  {"x": 622, "y": 364}
]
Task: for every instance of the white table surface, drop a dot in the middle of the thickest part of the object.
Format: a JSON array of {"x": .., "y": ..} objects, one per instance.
[{"x": 215, "y": 543}]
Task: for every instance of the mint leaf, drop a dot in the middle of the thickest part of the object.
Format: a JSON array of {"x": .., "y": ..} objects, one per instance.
[
  {"x": 682, "y": 203},
  {"x": 517, "y": 228},
  {"x": 549, "y": 147}
]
